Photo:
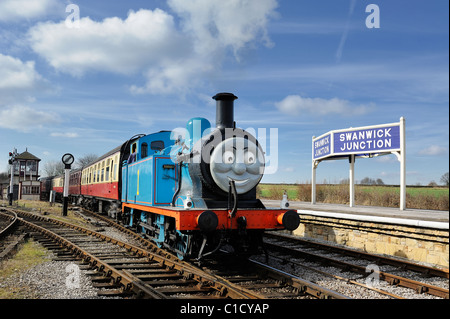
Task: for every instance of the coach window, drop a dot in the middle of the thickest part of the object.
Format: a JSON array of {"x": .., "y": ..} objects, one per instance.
[
  {"x": 103, "y": 172},
  {"x": 112, "y": 169},
  {"x": 108, "y": 162},
  {"x": 116, "y": 167}
]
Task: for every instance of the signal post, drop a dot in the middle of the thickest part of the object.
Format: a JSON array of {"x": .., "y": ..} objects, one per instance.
[{"x": 67, "y": 159}]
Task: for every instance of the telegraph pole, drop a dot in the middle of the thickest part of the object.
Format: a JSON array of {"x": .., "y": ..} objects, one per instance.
[{"x": 67, "y": 159}]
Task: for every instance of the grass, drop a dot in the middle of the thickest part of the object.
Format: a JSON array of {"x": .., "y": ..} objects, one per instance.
[
  {"x": 53, "y": 210},
  {"x": 29, "y": 255},
  {"x": 434, "y": 198}
]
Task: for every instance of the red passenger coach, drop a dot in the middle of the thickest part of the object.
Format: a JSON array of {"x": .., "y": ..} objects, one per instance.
[
  {"x": 107, "y": 190},
  {"x": 58, "y": 184},
  {"x": 99, "y": 181},
  {"x": 75, "y": 182}
]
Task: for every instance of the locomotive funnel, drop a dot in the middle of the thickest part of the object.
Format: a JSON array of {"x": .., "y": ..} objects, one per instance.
[{"x": 224, "y": 110}]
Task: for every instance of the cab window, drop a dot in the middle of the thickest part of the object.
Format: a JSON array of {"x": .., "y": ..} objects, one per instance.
[
  {"x": 157, "y": 145},
  {"x": 144, "y": 150}
]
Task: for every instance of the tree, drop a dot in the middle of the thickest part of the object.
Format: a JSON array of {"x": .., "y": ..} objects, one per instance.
[
  {"x": 444, "y": 179},
  {"x": 85, "y": 160},
  {"x": 371, "y": 181},
  {"x": 54, "y": 168},
  {"x": 4, "y": 176},
  {"x": 367, "y": 181}
]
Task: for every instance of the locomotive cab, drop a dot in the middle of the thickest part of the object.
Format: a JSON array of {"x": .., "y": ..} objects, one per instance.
[{"x": 148, "y": 175}]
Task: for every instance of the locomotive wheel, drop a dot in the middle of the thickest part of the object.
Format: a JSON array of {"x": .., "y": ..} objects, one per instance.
[{"x": 182, "y": 245}]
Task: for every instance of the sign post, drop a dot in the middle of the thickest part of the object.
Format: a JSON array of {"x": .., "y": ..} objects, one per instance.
[
  {"x": 402, "y": 159},
  {"x": 67, "y": 159},
  {"x": 352, "y": 179},
  {"x": 363, "y": 142}
]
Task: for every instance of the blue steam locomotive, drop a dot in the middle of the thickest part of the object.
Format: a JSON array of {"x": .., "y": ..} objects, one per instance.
[{"x": 190, "y": 191}]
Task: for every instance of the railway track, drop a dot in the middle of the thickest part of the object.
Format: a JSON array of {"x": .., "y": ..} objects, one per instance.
[
  {"x": 122, "y": 269},
  {"x": 126, "y": 270},
  {"x": 257, "y": 280},
  {"x": 388, "y": 277},
  {"x": 252, "y": 279},
  {"x": 9, "y": 238},
  {"x": 142, "y": 270}
]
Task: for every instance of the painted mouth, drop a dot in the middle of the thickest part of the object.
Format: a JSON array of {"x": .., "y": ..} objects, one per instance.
[{"x": 242, "y": 182}]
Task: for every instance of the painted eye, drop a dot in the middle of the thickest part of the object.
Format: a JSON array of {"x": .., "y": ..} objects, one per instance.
[
  {"x": 228, "y": 157},
  {"x": 249, "y": 158}
]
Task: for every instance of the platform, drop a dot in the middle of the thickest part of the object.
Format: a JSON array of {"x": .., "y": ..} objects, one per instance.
[
  {"x": 414, "y": 214},
  {"x": 415, "y": 234}
]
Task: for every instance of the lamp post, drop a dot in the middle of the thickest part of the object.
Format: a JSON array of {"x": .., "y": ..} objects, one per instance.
[{"x": 67, "y": 159}]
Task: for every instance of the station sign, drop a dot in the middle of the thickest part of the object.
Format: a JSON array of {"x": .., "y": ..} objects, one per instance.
[
  {"x": 358, "y": 141},
  {"x": 366, "y": 141}
]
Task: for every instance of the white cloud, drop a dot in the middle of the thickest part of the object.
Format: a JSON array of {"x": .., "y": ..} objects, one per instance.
[
  {"x": 386, "y": 159},
  {"x": 121, "y": 46},
  {"x": 66, "y": 134},
  {"x": 18, "y": 80},
  {"x": 15, "y": 74},
  {"x": 219, "y": 24},
  {"x": 24, "y": 118},
  {"x": 434, "y": 150},
  {"x": 13, "y": 10},
  {"x": 172, "y": 57},
  {"x": 297, "y": 105}
]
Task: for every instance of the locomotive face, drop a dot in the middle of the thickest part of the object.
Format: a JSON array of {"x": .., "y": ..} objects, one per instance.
[{"x": 238, "y": 159}]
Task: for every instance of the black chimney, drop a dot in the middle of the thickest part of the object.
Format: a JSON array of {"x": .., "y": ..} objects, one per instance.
[{"x": 224, "y": 110}]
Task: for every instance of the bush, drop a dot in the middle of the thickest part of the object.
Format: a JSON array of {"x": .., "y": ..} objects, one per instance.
[{"x": 383, "y": 196}]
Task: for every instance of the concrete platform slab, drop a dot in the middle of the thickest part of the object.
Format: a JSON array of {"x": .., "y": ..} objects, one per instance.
[{"x": 415, "y": 214}]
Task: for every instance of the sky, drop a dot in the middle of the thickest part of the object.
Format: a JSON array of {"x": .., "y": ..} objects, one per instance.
[{"x": 84, "y": 76}]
